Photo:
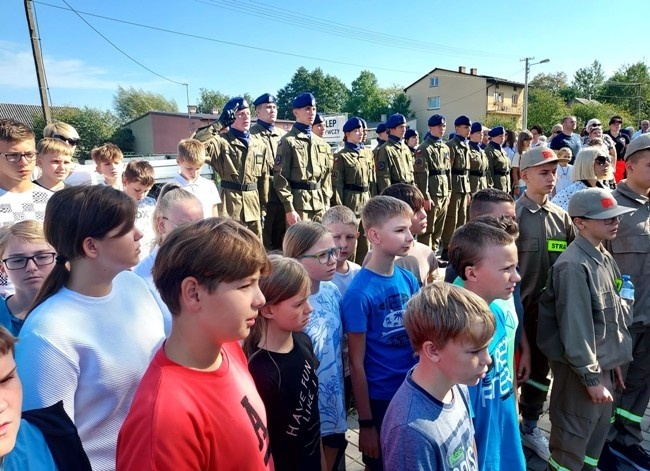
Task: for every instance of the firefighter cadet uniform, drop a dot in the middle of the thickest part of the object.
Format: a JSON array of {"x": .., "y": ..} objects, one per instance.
[
  {"x": 499, "y": 172},
  {"x": 353, "y": 176},
  {"x": 303, "y": 166},
  {"x": 432, "y": 170},
  {"x": 460, "y": 191},
  {"x": 478, "y": 161},
  {"x": 240, "y": 163},
  {"x": 582, "y": 330},
  {"x": 381, "y": 130},
  {"x": 544, "y": 234},
  {"x": 394, "y": 159},
  {"x": 268, "y": 136},
  {"x": 631, "y": 250}
]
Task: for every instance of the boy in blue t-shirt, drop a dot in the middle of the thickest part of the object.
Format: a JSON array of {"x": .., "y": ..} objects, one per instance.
[
  {"x": 373, "y": 307},
  {"x": 484, "y": 255}
]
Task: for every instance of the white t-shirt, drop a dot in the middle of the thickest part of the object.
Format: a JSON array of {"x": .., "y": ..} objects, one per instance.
[
  {"x": 343, "y": 280},
  {"x": 143, "y": 269},
  {"x": 144, "y": 222},
  {"x": 564, "y": 175},
  {"x": 204, "y": 189}
]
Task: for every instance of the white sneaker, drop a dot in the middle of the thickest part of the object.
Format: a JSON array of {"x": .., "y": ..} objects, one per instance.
[{"x": 536, "y": 442}]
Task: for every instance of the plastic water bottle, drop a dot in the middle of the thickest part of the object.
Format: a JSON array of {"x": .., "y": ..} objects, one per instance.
[{"x": 627, "y": 289}]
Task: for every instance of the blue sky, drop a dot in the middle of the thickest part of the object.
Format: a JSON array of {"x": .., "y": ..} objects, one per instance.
[{"x": 399, "y": 42}]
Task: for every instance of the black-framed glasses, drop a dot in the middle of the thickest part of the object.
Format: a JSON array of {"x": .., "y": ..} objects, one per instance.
[
  {"x": 603, "y": 161},
  {"x": 617, "y": 122},
  {"x": 40, "y": 260},
  {"x": 15, "y": 157},
  {"x": 325, "y": 256},
  {"x": 70, "y": 140},
  {"x": 608, "y": 221}
]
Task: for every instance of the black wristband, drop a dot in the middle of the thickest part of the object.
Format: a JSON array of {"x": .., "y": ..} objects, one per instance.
[{"x": 367, "y": 423}]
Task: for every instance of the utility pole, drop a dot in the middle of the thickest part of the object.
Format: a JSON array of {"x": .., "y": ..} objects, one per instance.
[
  {"x": 38, "y": 62},
  {"x": 524, "y": 123}
]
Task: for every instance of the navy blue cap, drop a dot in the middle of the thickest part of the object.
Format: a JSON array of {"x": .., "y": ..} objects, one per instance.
[
  {"x": 476, "y": 127},
  {"x": 266, "y": 98},
  {"x": 381, "y": 127},
  {"x": 352, "y": 124},
  {"x": 364, "y": 124},
  {"x": 463, "y": 121},
  {"x": 437, "y": 120},
  {"x": 236, "y": 104},
  {"x": 395, "y": 120},
  {"x": 497, "y": 131},
  {"x": 410, "y": 133},
  {"x": 304, "y": 99},
  {"x": 318, "y": 119}
]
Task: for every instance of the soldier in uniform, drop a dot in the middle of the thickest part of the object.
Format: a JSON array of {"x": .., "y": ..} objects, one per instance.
[
  {"x": 303, "y": 166},
  {"x": 318, "y": 127},
  {"x": 411, "y": 139},
  {"x": 265, "y": 131},
  {"x": 460, "y": 190},
  {"x": 432, "y": 169},
  {"x": 478, "y": 163},
  {"x": 499, "y": 173},
  {"x": 394, "y": 159},
  {"x": 353, "y": 175},
  {"x": 240, "y": 163},
  {"x": 382, "y": 136}
]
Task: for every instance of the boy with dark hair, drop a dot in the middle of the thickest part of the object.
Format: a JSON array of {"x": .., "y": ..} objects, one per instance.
[
  {"x": 109, "y": 162},
  {"x": 137, "y": 180},
  {"x": 485, "y": 257},
  {"x": 428, "y": 424},
  {"x": 582, "y": 330},
  {"x": 372, "y": 308},
  {"x": 197, "y": 406}
]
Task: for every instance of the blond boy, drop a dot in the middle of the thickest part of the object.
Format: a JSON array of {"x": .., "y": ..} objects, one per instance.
[
  {"x": 342, "y": 223},
  {"x": 190, "y": 160},
  {"x": 55, "y": 160},
  {"x": 109, "y": 162}
]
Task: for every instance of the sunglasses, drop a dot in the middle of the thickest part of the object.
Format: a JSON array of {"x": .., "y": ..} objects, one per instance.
[
  {"x": 603, "y": 161},
  {"x": 69, "y": 140},
  {"x": 617, "y": 122}
]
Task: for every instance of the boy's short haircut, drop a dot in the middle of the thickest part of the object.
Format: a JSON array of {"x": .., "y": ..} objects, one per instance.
[
  {"x": 28, "y": 230},
  {"x": 14, "y": 131},
  {"x": 191, "y": 151},
  {"x": 106, "y": 154},
  {"x": 483, "y": 200},
  {"x": 7, "y": 342},
  {"x": 139, "y": 171},
  {"x": 380, "y": 209},
  {"x": 507, "y": 223},
  {"x": 49, "y": 145},
  {"x": 339, "y": 214},
  {"x": 441, "y": 312},
  {"x": 471, "y": 242},
  {"x": 212, "y": 250},
  {"x": 565, "y": 150},
  {"x": 410, "y": 194},
  {"x": 538, "y": 128},
  {"x": 60, "y": 128}
]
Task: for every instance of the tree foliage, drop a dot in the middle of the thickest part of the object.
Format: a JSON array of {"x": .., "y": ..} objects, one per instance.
[
  {"x": 211, "y": 99},
  {"x": 331, "y": 94},
  {"x": 366, "y": 99},
  {"x": 601, "y": 111},
  {"x": 545, "y": 108},
  {"x": 629, "y": 88},
  {"x": 129, "y": 103},
  {"x": 589, "y": 80},
  {"x": 550, "y": 82}
]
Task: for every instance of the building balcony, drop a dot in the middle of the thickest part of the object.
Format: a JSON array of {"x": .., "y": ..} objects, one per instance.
[{"x": 500, "y": 108}]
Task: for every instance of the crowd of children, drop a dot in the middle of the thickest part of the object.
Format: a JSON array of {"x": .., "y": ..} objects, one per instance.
[{"x": 155, "y": 334}]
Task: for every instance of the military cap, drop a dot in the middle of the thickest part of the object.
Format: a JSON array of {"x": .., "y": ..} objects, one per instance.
[
  {"x": 537, "y": 156},
  {"x": 476, "y": 127},
  {"x": 395, "y": 120},
  {"x": 266, "y": 98},
  {"x": 304, "y": 99},
  {"x": 463, "y": 121},
  {"x": 640, "y": 143},
  {"x": 437, "y": 120},
  {"x": 364, "y": 124},
  {"x": 410, "y": 133},
  {"x": 318, "y": 118},
  {"x": 352, "y": 124},
  {"x": 381, "y": 127},
  {"x": 236, "y": 104},
  {"x": 595, "y": 203},
  {"x": 496, "y": 131}
]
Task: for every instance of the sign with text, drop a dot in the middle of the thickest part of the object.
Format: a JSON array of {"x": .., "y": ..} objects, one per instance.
[{"x": 334, "y": 128}]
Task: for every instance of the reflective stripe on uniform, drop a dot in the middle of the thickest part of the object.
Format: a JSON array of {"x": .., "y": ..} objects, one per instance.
[
  {"x": 593, "y": 462},
  {"x": 536, "y": 385},
  {"x": 628, "y": 415},
  {"x": 556, "y": 465}
]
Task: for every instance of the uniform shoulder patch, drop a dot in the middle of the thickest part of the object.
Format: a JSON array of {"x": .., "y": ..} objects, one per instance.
[
  {"x": 381, "y": 165},
  {"x": 335, "y": 174},
  {"x": 419, "y": 162},
  {"x": 278, "y": 159}
]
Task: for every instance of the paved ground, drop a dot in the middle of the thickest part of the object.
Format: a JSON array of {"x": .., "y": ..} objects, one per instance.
[{"x": 353, "y": 456}]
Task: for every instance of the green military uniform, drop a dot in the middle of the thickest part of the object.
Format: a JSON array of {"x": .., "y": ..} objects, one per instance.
[
  {"x": 432, "y": 168},
  {"x": 478, "y": 168},
  {"x": 499, "y": 173},
  {"x": 274, "y": 219},
  {"x": 302, "y": 174},
  {"x": 243, "y": 172},
  {"x": 460, "y": 190},
  {"x": 394, "y": 164}
]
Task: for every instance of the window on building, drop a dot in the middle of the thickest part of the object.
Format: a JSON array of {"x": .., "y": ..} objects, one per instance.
[
  {"x": 498, "y": 97},
  {"x": 433, "y": 103},
  {"x": 434, "y": 82},
  {"x": 515, "y": 99}
]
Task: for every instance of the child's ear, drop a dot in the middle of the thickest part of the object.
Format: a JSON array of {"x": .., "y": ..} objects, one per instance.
[
  {"x": 160, "y": 224},
  {"x": 470, "y": 273},
  {"x": 358, "y": 234},
  {"x": 89, "y": 248},
  {"x": 524, "y": 175},
  {"x": 430, "y": 351},
  {"x": 97, "y": 169},
  {"x": 266, "y": 312},
  {"x": 190, "y": 294},
  {"x": 373, "y": 236}
]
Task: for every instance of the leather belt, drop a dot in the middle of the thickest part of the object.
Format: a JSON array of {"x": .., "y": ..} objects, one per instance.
[{"x": 238, "y": 186}]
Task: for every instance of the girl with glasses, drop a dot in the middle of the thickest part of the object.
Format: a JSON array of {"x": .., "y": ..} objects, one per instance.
[
  {"x": 313, "y": 246},
  {"x": 27, "y": 259}
]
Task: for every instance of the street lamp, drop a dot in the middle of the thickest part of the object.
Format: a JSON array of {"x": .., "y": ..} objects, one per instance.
[{"x": 527, "y": 60}]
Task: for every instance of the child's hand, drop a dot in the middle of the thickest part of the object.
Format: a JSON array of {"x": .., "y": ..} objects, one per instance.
[
  {"x": 599, "y": 394},
  {"x": 618, "y": 377},
  {"x": 369, "y": 442}
]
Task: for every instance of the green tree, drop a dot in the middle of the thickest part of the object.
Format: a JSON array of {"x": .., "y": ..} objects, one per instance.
[
  {"x": 493, "y": 120},
  {"x": 129, "y": 103},
  {"x": 367, "y": 99},
  {"x": 601, "y": 111},
  {"x": 550, "y": 82},
  {"x": 401, "y": 103},
  {"x": 331, "y": 94},
  {"x": 545, "y": 108},
  {"x": 95, "y": 127},
  {"x": 629, "y": 88},
  {"x": 211, "y": 99},
  {"x": 589, "y": 80}
]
